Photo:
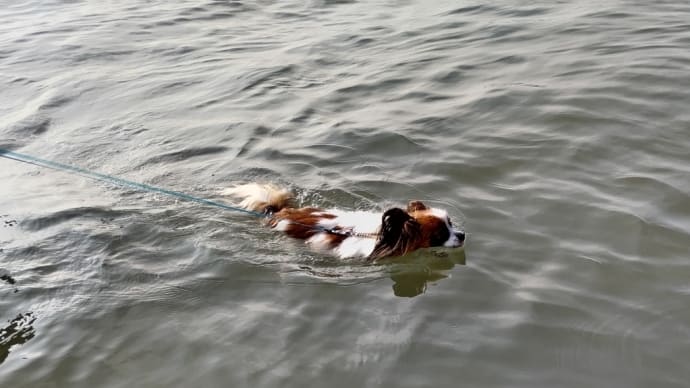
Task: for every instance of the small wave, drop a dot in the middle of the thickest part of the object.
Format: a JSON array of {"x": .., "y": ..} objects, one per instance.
[
  {"x": 185, "y": 154},
  {"x": 96, "y": 213}
]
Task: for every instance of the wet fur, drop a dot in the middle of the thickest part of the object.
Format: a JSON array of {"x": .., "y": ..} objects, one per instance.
[{"x": 398, "y": 232}]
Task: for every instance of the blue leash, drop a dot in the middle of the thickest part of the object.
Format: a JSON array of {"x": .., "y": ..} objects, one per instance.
[
  {"x": 144, "y": 187},
  {"x": 119, "y": 181}
]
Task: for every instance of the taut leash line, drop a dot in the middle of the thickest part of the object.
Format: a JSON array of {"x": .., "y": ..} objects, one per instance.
[
  {"x": 153, "y": 189},
  {"x": 119, "y": 181}
]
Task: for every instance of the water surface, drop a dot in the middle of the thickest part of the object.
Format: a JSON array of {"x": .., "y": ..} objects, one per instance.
[{"x": 557, "y": 133}]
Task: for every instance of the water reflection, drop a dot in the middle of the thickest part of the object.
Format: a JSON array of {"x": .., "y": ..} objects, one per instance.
[
  {"x": 412, "y": 275},
  {"x": 17, "y": 332}
]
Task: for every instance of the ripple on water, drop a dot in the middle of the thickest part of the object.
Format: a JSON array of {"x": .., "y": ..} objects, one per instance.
[
  {"x": 183, "y": 155},
  {"x": 32, "y": 126},
  {"x": 557, "y": 131},
  {"x": 89, "y": 213}
]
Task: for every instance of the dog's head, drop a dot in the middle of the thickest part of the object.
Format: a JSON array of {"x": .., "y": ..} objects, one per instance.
[{"x": 403, "y": 231}]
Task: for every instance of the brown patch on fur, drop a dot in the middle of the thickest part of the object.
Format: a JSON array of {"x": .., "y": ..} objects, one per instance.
[
  {"x": 302, "y": 221},
  {"x": 434, "y": 231}
]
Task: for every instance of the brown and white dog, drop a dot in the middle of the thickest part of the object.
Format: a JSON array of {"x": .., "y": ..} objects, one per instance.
[{"x": 396, "y": 232}]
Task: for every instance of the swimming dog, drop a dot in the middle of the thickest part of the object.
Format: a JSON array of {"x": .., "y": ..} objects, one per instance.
[{"x": 345, "y": 234}]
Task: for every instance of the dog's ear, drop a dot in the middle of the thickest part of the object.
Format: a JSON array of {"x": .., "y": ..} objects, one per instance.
[
  {"x": 415, "y": 206},
  {"x": 393, "y": 220},
  {"x": 399, "y": 234}
]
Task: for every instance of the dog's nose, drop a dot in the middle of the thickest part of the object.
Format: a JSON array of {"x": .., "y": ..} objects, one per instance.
[{"x": 460, "y": 236}]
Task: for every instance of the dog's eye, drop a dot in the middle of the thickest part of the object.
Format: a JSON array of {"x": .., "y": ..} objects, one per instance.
[{"x": 439, "y": 237}]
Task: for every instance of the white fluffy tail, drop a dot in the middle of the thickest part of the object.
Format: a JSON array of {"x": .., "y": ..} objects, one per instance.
[{"x": 260, "y": 197}]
